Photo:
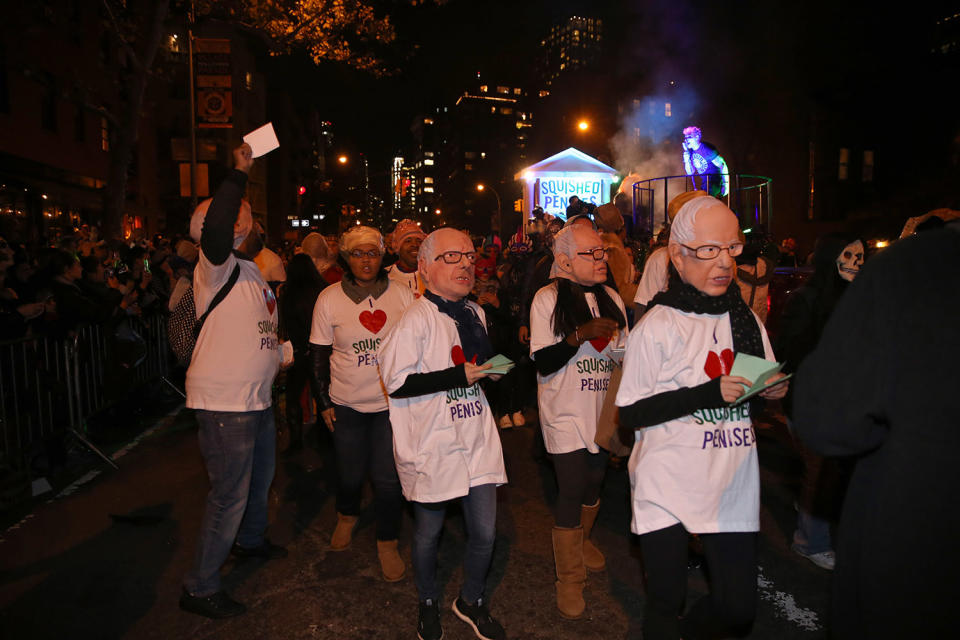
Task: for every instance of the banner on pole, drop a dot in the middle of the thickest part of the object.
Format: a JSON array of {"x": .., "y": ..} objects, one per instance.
[{"x": 214, "y": 82}]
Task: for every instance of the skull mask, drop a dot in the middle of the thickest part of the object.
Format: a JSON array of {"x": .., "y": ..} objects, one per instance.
[{"x": 850, "y": 260}]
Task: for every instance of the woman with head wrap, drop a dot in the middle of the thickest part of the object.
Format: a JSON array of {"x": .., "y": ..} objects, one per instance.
[
  {"x": 575, "y": 323},
  {"x": 696, "y": 471},
  {"x": 349, "y": 321},
  {"x": 837, "y": 260}
]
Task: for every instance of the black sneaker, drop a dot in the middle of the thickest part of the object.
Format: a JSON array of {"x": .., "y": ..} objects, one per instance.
[
  {"x": 218, "y": 605},
  {"x": 267, "y": 550},
  {"x": 478, "y": 617},
  {"x": 428, "y": 626}
]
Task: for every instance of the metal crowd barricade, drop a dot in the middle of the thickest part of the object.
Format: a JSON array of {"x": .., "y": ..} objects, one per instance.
[{"x": 51, "y": 386}]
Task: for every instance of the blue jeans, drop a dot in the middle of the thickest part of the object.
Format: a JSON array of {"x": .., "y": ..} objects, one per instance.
[
  {"x": 480, "y": 516},
  {"x": 812, "y": 534},
  {"x": 239, "y": 450},
  {"x": 818, "y": 490},
  {"x": 364, "y": 442}
]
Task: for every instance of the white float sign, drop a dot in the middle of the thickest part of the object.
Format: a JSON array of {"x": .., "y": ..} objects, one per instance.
[{"x": 550, "y": 183}]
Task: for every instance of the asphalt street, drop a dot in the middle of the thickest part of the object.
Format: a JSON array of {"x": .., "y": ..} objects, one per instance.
[{"x": 105, "y": 557}]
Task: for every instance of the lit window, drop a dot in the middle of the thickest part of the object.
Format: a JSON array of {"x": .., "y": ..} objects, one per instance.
[
  {"x": 493, "y": 109},
  {"x": 844, "y": 162},
  {"x": 428, "y": 121},
  {"x": 428, "y": 180},
  {"x": 173, "y": 43},
  {"x": 470, "y": 155},
  {"x": 468, "y": 167},
  {"x": 506, "y": 110},
  {"x": 503, "y": 89},
  {"x": 428, "y": 189},
  {"x": 428, "y": 162},
  {"x": 867, "y": 166},
  {"x": 248, "y": 81},
  {"x": 667, "y": 110},
  {"x": 516, "y": 91},
  {"x": 544, "y": 93},
  {"x": 483, "y": 88},
  {"x": 483, "y": 154},
  {"x": 104, "y": 135}
]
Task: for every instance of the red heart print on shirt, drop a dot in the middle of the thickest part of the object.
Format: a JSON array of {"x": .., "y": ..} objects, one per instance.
[
  {"x": 270, "y": 299},
  {"x": 456, "y": 354},
  {"x": 600, "y": 344},
  {"x": 373, "y": 322},
  {"x": 718, "y": 365}
]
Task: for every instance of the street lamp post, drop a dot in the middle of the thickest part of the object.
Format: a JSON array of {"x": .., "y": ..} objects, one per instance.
[{"x": 481, "y": 187}]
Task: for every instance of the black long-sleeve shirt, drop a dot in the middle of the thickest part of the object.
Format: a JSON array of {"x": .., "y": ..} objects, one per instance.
[
  {"x": 420, "y": 384},
  {"x": 670, "y": 405},
  {"x": 216, "y": 239}
]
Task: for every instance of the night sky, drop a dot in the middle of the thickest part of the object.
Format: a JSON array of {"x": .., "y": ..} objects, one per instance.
[{"x": 730, "y": 53}]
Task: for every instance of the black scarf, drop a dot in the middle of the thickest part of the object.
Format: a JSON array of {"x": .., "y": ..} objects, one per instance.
[
  {"x": 473, "y": 335},
  {"x": 743, "y": 324}
]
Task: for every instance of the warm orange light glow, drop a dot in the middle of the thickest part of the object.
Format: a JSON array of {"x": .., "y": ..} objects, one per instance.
[
  {"x": 342, "y": 159},
  {"x": 437, "y": 212},
  {"x": 479, "y": 187},
  {"x": 583, "y": 125}
]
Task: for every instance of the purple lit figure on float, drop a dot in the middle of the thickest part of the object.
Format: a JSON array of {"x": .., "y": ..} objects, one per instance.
[{"x": 702, "y": 159}]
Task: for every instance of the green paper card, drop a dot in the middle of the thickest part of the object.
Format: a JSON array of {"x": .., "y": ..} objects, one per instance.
[
  {"x": 758, "y": 371},
  {"x": 499, "y": 364}
]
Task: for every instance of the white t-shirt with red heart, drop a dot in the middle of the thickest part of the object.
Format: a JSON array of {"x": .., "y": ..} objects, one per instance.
[
  {"x": 443, "y": 442},
  {"x": 237, "y": 355},
  {"x": 355, "y": 330},
  {"x": 699, "y": 470},
  {"x": 571, "y": 398}
]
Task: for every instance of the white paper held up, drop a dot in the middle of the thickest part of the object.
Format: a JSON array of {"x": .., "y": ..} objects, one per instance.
[{"x": 263, "y": 140}]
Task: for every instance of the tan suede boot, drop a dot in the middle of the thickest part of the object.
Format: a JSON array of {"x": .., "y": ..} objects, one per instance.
[
  {"x": 343, "y": 534},
  {"x": 592, "y": 557},
  {"x": 571, "y": 574},
  {"x": 391, "y": 564}
]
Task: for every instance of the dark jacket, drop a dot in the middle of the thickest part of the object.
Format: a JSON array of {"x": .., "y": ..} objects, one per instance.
[{"x": 882, "y": 385}]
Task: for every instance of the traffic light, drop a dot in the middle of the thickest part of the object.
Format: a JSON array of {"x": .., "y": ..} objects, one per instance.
[{"x": 301, "y": 190}]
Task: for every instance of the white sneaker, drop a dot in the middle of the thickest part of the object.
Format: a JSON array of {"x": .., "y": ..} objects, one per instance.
[
  {"x": 824, "y": 559},
  {"x": 505, "y": 422},
  {"x": 518, "y": 419}
]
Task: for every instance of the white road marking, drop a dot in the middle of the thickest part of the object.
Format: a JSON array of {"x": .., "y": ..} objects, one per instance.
[{"x": 786, "y": 605}]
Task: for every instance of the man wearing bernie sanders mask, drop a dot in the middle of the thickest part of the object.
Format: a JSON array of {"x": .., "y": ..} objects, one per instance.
[
  {"x": 445, "y": 441},
  {"x": 229, "y": 382},
  {"x": 575, "y": 324},
  {"x": 694, "y": 465}
]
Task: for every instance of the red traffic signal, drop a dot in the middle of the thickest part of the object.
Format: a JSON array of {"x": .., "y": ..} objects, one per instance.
[{"x": 301, "y": 190}]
